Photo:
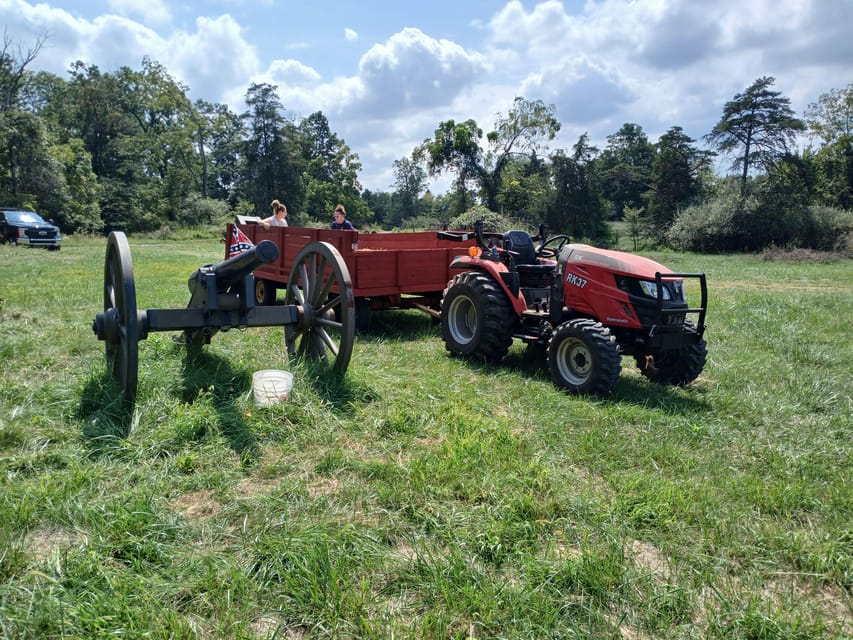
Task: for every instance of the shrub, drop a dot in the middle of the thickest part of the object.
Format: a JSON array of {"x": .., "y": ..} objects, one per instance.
[
  {"x": 492, "y": 221},
  {"x": 730, "y": 222},
  {"x": 197, "y": 210},
  {"x": 829, "y": 229},
  {"x": 717, "y": 225}
]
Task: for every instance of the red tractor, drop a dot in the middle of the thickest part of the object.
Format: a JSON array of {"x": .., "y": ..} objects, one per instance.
[{"x": 587, "y": 306}]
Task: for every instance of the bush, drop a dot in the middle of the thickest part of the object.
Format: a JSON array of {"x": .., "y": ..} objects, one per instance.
[
  {"x": 830, "y": 229},
  {"x": 492, "y": 221},
  {"x": 197, "y": 210},
  {"x": 730, "y": 222},
  {"x": 716, "y": 225},
  {"x": 417, "y": 223}
]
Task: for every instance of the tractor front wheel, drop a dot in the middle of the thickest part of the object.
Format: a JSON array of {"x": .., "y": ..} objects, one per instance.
[
  {"x": 584, "y": 358},
  {"x": 476, "y": 317}
]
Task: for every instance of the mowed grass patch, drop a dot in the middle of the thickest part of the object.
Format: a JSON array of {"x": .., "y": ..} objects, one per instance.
[{"x": 422, "y": 495}]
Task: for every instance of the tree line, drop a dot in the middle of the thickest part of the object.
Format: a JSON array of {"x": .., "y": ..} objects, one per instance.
[{"x": 129, "y": 150}]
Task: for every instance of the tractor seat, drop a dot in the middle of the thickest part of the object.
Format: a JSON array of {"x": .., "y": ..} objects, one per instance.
[
  {"x": 525, "y": 260},
  {"x": 522, "y": 245}
]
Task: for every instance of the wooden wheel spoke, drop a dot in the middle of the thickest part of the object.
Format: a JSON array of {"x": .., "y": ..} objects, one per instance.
[{"x": 331, "y": 304}]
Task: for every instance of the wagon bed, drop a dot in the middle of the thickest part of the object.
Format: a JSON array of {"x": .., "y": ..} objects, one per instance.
[{"x": 388, "y": 270}]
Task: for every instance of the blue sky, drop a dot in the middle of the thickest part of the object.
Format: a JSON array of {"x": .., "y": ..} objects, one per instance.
[{"x": 387, "y": 73}]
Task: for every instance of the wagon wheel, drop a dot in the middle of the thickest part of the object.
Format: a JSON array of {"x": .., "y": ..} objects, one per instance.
[
  {"x": 321, "y": 288},
  {"x": 118, "y": 326}
]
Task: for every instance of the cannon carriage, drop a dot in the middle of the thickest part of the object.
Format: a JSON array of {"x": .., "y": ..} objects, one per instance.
[{"x": 317, "y": 315}]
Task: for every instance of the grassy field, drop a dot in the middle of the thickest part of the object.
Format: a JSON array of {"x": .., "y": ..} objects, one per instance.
[{"x": 422, "y": 496}]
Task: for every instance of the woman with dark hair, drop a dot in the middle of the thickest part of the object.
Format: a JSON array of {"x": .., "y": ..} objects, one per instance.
[{"x": 340, "y": 221}]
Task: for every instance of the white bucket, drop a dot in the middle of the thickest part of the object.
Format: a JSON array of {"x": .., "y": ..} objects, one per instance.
[{"x": 271, "y": 386}]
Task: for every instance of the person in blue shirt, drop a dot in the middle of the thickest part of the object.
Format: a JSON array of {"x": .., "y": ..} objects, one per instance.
[{"x": 340, "y": 221}]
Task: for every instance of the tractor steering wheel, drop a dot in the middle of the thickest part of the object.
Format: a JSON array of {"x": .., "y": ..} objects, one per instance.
[{"x": 545, "y": 250}]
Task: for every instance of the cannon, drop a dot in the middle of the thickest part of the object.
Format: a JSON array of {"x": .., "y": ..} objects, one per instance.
[{"x": 317, "y": 315}]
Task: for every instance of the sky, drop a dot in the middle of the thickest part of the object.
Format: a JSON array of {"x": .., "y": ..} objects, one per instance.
[{"x": 387, "y": 73}]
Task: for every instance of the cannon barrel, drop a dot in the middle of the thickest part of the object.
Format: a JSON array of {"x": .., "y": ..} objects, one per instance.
[{"x": 232, "y": 270}]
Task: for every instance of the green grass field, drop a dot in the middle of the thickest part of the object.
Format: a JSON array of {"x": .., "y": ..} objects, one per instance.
[{"x": 422, "y": 496}]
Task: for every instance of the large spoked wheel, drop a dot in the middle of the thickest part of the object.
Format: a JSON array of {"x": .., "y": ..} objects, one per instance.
[
  {"x": 584, "y": 358},
  {"x": 677, "y": 367},
  {"x": 118, "y": 326},
  {"x": 477, "y": 319},
  {"x": 321, "y": 288},
  {"x": 551, "y": 248}
]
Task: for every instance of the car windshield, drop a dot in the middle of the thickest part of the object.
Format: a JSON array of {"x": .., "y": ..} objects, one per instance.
[{"x": 24, "y": 216}]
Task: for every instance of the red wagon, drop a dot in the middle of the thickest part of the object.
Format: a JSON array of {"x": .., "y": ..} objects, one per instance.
[{"x": 402, "y": 270}]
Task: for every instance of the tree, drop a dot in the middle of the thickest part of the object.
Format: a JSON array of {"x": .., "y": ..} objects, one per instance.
[
  {"x": 526, "y": 189},
  {"x": 218, "y": 137},
  {"x": 158, "y": 152},
  {"x": 758, "y": 126},
  {"x": 410, "y": 183},
  {"x": 31, "y": 176},
  {"x": 27, "y": 169},
  {"x": 81, "y": 210},
  {"x": 624, "y": 167},
  {"x": 272, "y": 167},
  {"x": 518, "y": 134},
  {"x": 635, "y": 224},
  {"x": 831, "y": 119},
  {"x": 13, "y": 70},
  {"x": 454, "y": 147},
  {"x": 93, "y": 113},
  {"x": 331, "y": 174},
  {"x": 676, "y": 177},
  {"x": 381, "y": 203},
  {"x": 577, "y": 208}
]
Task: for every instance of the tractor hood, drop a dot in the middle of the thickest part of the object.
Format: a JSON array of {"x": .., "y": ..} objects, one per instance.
[{"x": 617, "y": 261}]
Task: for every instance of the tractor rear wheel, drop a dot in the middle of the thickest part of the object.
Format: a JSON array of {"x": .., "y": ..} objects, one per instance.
[
  {"x": 477, "y": 318},
  {"x": 584, "y": 357},
  {"x": 674, "y": 366}
]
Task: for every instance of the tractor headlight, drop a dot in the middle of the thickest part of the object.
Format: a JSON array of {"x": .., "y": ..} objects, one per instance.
[{"x": 651, "y": 289}]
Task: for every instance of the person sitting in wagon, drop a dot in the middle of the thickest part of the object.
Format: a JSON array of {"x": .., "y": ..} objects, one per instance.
[
  {"x": 278, "y": 217},
  {"x": 340, "y": 221}
]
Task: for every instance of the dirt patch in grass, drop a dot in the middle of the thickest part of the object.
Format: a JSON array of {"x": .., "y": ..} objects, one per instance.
[
  {"x": 323, "y": 487},
  {"x": 42, "y": 544},
  {"x": 406, "y": 551},
  {"x": 267, "y": 626},
  {"x": 197, "y": 505},
  {"x": 256, "y": 486},
  {"x": 561, "y": 551},
  {"x": 649, "y": 558},
  {"x": 832, "y": 605}
]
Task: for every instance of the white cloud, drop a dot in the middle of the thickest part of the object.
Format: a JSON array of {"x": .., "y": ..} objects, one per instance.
[
  {"x": 412, "y": 71},
  {"x": 662, "y": 63},
  {"x": 215, "y": 60},
  {"x": 149, "y": 11},
  {"x": 657, "y": 63}
]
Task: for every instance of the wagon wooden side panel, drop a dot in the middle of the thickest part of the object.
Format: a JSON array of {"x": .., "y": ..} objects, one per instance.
[{"x": 389, "y": 270}]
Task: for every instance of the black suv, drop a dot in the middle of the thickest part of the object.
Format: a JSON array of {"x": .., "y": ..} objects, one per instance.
[{"x": 20, "y": 226}]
